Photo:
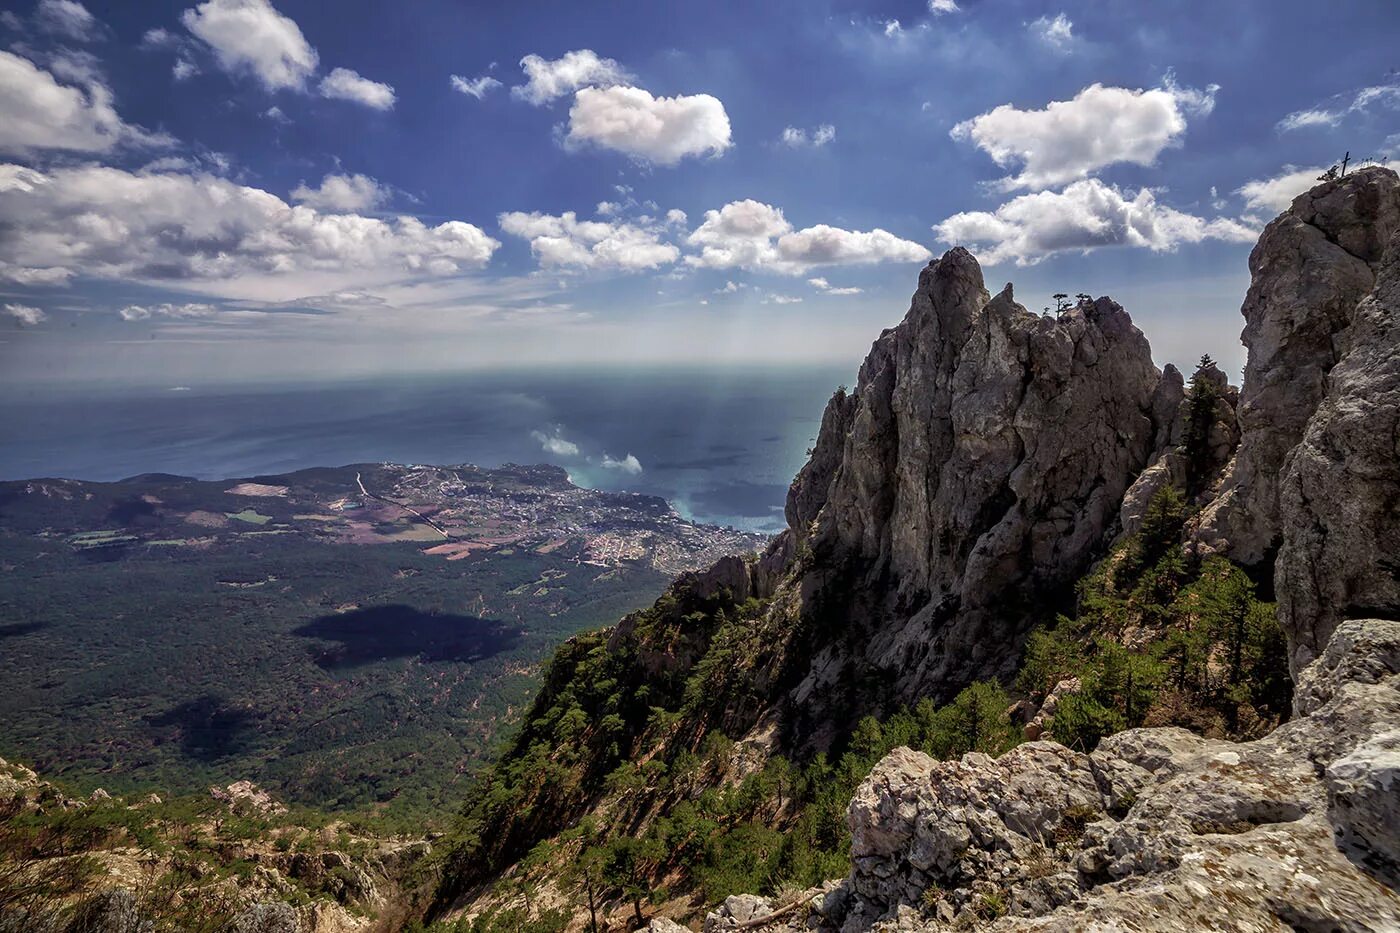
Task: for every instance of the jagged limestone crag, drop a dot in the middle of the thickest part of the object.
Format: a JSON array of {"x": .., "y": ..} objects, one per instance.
[
  {"x": 1157, "y": 829},
  {"x": 978, "y": 468},
  {"x": 1309, "y": 271},
  {"x": 985, "y": 459},
  {"x": 1339, "y": 498}
]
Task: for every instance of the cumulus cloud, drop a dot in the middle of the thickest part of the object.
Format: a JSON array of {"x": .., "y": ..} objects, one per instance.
[
  {"x": 663, "y": 130},
  {"x": 1056, "y": 32},
  {"x": 109, "y": 223},
  {"x": 342, "y": 194},
  {"x": 186, "y": 310},
  {"x": 25, "y": 315},
  {"x": 548, "y": 80},
  {"x": 628, "y": 464},
  {"x": 749, "y": 234},
  {"x": 38, "y": 112},
  {"x": 1273, "y": 195},
  {"x": 1086, "y": 215},
  {"x": 796, "y": 138},
  {"x": 825, "y": 287},
  {"x": 66, "y": 18},
  {"x": 940, "y": 7},
  {"x": 1072, "y": 139},
  {"x": 563, "y": 240},
  {"x": 892, "y": 28},
  {"x": 475, "y": 87},
  {"x": 251, "y": 36},
  {"x": 344, "y": 84},
  {"x": 553, "y": 442},
  {"x": 774, "y": 298},
  {"x": 1342, "y": 106}
]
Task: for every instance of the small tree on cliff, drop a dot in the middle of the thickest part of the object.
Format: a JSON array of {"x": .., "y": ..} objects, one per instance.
[{"x": 1200, "y": 418}]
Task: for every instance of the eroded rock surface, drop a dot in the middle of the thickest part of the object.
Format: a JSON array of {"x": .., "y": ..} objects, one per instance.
[
  {"x": 1158, "y": 829},
  {"x": 979, "y": 465},
  {"x": 1310, "y": 269}
]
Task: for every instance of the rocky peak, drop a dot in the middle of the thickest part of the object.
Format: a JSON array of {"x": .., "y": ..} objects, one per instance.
[
  {"x": 976, "y": 468},
  {"x": 1310, "y": 269}
]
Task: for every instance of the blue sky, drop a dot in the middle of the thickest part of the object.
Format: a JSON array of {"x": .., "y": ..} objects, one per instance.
[{"x": 240, "y": 189}]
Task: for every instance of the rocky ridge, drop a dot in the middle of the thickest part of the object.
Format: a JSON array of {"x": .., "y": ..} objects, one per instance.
[
  {"x": 977, "y": 470},
  {"x": 986, "y": 459},
  {"x": 108, "y": 865},
  {"x": 1160, "y": 829}
]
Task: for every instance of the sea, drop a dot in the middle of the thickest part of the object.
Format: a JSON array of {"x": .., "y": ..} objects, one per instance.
[{"x": 721, "y": 444}]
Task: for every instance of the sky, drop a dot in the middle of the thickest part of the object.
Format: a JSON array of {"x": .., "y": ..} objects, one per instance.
[{"x": 242, "y": 190}]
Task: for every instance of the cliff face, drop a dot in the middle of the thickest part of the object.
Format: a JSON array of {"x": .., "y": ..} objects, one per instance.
[
  {"x": 976, "y": 470},
  {"x": 1310, "y": 269},
  {"x": 986, "y": 458},
  {"x": 1159, "y": 829}
]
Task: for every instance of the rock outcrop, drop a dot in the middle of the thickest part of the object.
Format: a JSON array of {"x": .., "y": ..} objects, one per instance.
[
  {"x": 1339, "y": 498},
  {"x": 1310, "y": 269},
  {"x": 1156, "y": 830},
  {"x": 978, "y": 466}
]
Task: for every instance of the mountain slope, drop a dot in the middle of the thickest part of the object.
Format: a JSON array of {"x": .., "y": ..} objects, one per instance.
[{"x": 986, "y": 459}]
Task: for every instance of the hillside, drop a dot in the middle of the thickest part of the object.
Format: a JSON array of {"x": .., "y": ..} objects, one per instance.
[
  {"x": 355, "y": 639},
  {"x": 1014, "y": 528}
]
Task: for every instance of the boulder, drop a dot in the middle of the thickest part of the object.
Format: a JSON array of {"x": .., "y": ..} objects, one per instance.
[{"x": 1157, "y": 829}]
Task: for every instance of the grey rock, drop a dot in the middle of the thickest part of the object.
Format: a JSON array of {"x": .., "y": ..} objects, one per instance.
[
  {"x": 663, "y": 925},
  {"x": 266, "y": 918},
  {"x": 1311, "y": 267},
  {"x": 110, "y": 911},
  {"x": 979, "y": 464},
  {"x": 1340, "y": 525},
  {"x": 1158, "y": 829},
  {"x": 1364, "y": 802}
]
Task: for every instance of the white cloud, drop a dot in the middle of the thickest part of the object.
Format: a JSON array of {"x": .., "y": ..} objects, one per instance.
[
  {"x": 251, "y": 36},
  {"x": 1056, "y": 32},
  {"x": 776, "y": 299},
  {"x": 1072, "y": 139},
  {"x": 25, "y": 315},
  {"x": 564, "y": 240},
  {"x": 798, "y": 138},
  {"x": 160, "y": 38},
  {"x": 822, "y": 285},
  {"x": 29, "y": 275},
  {"x": 183, "y": 69},
  {"x": 108, "y": 223},
  {"x": 1331, "y": 114},
  {"x": 892, "y": 28},
  {"x": 553, "y": 442},
  {"x": 663, "y": 130},
  {"x": 940, "y": 7},
  {"x": 1271, "y": 196},
  {"x": 607, "y": 208},
  {"x": 548, "y": 80},
  {"x": 628, "y": 464},
  {"x": 344, "y": 84},
  {"x": 1086, "y": 215},
  {"x": 37, "y": 112},
  {"x": 749, "y": 234},
  {"x": 475, "y": 87},
  {"x": 676, "y": 217},
  {"x": 67, "y": 18},
  {"x": 186, "y": 311},
  {"x": 342, "y": 194}
]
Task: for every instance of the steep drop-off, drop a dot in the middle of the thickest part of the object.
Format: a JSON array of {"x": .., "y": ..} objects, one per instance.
[{"x": 987, "y": 457}]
